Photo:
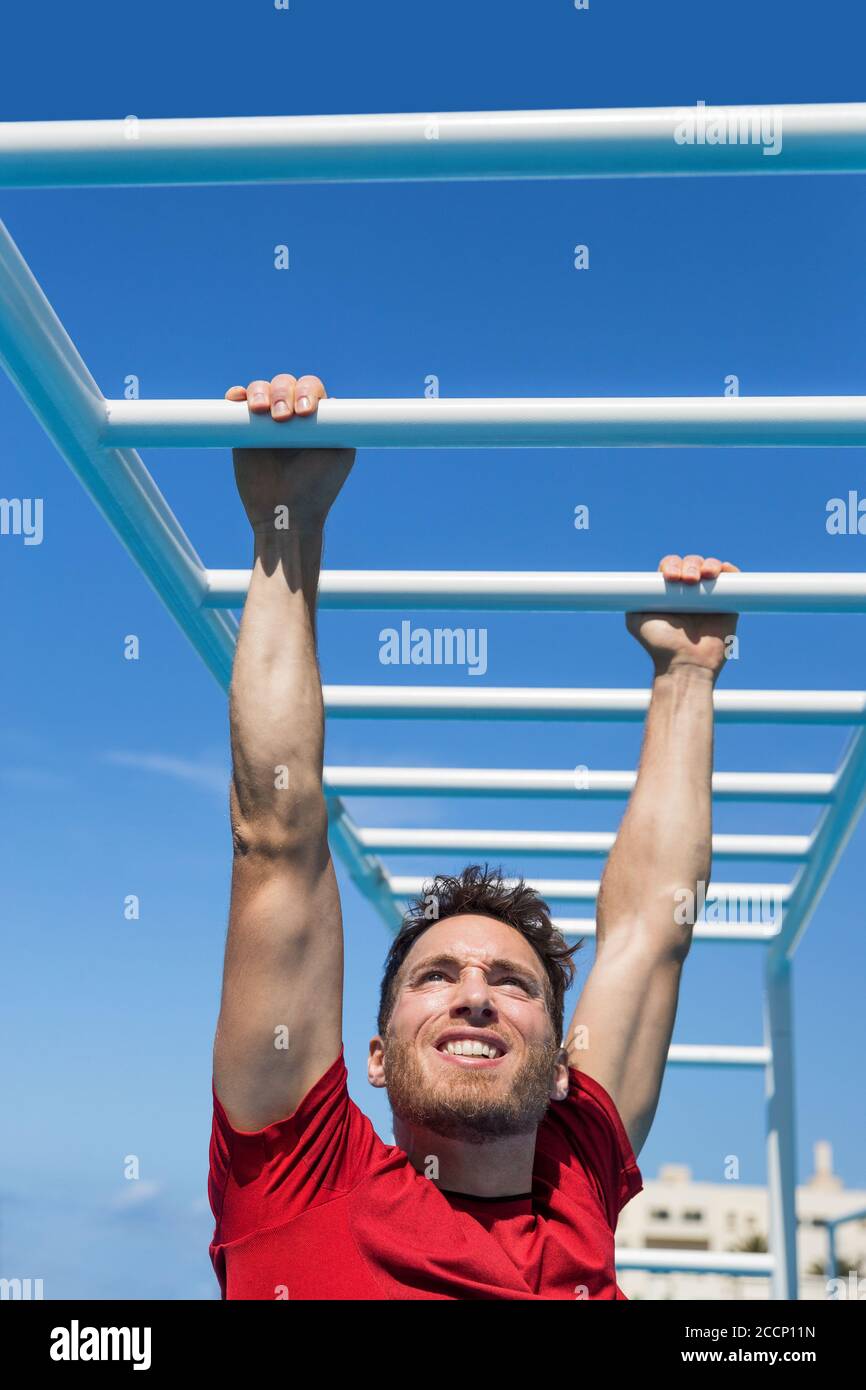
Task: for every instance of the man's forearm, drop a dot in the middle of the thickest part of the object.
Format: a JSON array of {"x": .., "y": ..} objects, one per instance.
[
  {"x": 664, "y": 844},
  {"x": 276, "y": 708}
]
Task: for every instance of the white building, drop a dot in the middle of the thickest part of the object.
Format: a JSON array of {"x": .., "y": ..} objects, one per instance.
[{"x": 675, "y": 1213}]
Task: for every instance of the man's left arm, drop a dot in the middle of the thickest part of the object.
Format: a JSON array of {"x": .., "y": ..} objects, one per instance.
[{"x": 624, "y": 1019}]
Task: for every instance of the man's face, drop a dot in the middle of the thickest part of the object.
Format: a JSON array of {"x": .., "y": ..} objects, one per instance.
[{"x": 470, "y": 1052}]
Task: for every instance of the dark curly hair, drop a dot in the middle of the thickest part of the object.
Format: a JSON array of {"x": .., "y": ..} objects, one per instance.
[{"x": 487, "y": 893}]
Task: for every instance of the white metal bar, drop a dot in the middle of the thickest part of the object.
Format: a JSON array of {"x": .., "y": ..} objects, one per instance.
[
  {"x": 694, "y": 1261},
  {"x": 770, "y": 895},
  {"x": 42, "y": 361},
  {"x": 832, "y": 833},
  {"x": 578, "y": 782},
  {"x": 589, "y": 592},
  {"x": 539, "y": 702},
  {"x": 758, "y": 932},
  {"x": 717, "y": 1055},
  {"x": 441, "y": 145},
  {"x": 579, "y": 843},
  {"x": 558, "y": 422},
  {"x": 574, "y": 927},
  {"x": 781, "y": 1127}
]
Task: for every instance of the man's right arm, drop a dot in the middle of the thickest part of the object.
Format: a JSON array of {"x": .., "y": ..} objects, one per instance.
[{"x": 280, "y": 1024}]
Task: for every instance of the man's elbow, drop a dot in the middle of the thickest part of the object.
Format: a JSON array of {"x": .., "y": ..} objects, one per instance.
[
  {"x": 655, "y": 931},
  {"x": 292, "y": 828}
]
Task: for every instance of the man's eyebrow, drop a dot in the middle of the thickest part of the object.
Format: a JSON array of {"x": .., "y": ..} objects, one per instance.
[{"x": 500, "y": 964}]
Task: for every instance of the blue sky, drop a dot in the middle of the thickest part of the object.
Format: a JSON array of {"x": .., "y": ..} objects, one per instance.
[{"x": 113, "y": 773}]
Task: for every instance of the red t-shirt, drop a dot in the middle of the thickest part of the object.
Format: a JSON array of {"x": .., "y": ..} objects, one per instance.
[{"x": 317, "y": 1207}]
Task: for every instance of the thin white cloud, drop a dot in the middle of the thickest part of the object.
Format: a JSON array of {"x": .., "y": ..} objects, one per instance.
[
  {"x": 209, "y": 775},
  {"x": 135, "y": 1195}
]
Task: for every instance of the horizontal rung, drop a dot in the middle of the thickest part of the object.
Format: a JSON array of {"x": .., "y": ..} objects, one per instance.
[
  {"x": 580, "y": 843},
  {"x": 759, "y": 932},
  {"x": 710, "y": 1055},
  {"x": 759, "y": 897},
  {"x": 589, "y": 592},
  {"x": 664, "y": 1261},
  {"x": 566, "y": 422},
  {"x": 435, "y": 145},
  {"x": 538, "y": 702},
  {"x": 576, "y": 782}
]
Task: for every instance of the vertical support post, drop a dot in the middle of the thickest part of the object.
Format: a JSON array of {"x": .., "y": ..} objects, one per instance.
[{"x": 781, "y": 1130}]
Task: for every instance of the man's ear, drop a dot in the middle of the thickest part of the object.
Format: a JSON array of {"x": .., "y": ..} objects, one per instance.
[
  {"x": 559, "y": 1087},
  {"x": 375, "y": 1063}
]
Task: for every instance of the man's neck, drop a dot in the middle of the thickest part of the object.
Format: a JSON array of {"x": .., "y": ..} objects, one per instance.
[{"x": 497, "y": 1168}]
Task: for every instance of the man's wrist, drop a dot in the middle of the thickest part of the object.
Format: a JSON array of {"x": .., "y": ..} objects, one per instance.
[
  {"x": 296, "y": 550},
  {"x": 268, "y": 528},
  {"x": 685, "y": 673}
]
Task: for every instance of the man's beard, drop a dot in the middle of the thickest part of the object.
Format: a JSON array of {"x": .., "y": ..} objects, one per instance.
[{"x": 466, "y": 1106}]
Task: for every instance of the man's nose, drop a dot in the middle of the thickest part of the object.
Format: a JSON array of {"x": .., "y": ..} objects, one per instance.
[{"x": 472, "y": 995}]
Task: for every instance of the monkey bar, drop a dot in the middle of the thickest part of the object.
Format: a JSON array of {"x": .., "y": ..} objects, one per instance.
[
  {"x": 547, "y": 703},
  {"x": 700, "y": 139},
  {"x": 97, "y": 437},
  {"x": 599, "y": 592},
  {"x": 545, "y": 423},
  {"x": 592, "y": 784}
]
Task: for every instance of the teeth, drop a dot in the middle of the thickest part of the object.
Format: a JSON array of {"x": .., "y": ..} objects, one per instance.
[{"x": 471, "y": 1047}]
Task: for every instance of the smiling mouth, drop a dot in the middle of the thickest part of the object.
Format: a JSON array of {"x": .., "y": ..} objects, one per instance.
[
  {"x": 473, "y": 1063},
  {"x": 471, "y": 1053}
]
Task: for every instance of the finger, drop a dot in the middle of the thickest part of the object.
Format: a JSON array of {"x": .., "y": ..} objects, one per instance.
[
  {"x": 258, "y": 395},
  {"x": 282, "y": 396},
  {"x": 728, "y": 568},
  {"x": 671, "y": 567},
  {"x": 692, "y": 568},
  {"x": 236, "y": 393},
  {"x": 308, "y": 392},
  {"x": 711, "y": 568}
]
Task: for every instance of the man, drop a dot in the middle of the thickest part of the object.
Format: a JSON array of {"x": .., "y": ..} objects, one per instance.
[{"x": 515, "y": 1143}]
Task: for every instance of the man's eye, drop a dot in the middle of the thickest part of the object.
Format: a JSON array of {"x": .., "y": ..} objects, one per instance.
[
  {"x": 513, "y": 980},
  {"x": 429, "y": 974}
]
